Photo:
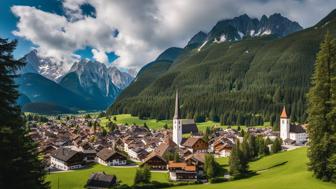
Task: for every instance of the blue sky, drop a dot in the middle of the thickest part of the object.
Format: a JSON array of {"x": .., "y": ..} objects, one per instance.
[
  {"x": 8, "y": 23},
  {"x": 131, "y": 33}
]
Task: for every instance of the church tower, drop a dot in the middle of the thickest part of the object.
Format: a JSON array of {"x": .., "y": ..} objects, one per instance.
[
  {"x": 177, "y": 122},
  {"x": 284, "y": 125}
]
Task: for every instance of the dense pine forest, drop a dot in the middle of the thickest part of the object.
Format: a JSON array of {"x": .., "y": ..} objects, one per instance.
[{"x": 243, "y": 82}]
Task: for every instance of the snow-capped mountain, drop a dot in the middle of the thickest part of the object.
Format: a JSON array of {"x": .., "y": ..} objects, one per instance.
[
  {"x": 244, "y": 26},
  {"x": 94, "y": 74},
  {"x": 119, "y": 78},
  {"x": 48, "y": 67},
  {"x": 91, "y": 80}
]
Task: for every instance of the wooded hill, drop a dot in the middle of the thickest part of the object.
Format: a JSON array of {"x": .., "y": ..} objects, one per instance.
[{"x": 238, "y": 82}]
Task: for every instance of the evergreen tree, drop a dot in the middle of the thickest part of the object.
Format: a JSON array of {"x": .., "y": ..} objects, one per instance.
[
  {"x": 245, "y": 149},
  {"x": 276, "y": 146},
  {"x": 268, "y": 141},
  {"x": 211, "y": 167},
  {"x": 112, "y": 126},
  {"x": 142, "y": 176},
  {"x": 262, "y": 147},
  {"x": 19, "y": 163},
  {"x": 238, "y": 166},
  {"x": 322, "y": 111},
  {"x": 253, "y": 146}
]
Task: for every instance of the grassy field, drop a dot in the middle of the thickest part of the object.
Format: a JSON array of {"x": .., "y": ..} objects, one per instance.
[
  {"x": 286, "y": 170},
  {"x": 155, "y": 124},
  {"x": 77, "y": 179},
  {"x": 129, "y": 119}
]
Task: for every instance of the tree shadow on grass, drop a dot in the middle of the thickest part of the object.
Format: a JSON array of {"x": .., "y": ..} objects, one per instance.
[
  {"x": 255, "y": 173},
  {"x": 276, "y": 165}
]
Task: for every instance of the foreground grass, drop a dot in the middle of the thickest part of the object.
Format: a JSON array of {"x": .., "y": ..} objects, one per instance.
[
  {"x": 286, "y": 170},
  {"x": 78, "y": 178}
]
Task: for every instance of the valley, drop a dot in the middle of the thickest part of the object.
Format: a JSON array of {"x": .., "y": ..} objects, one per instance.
[{"x": 181, "y": 94}]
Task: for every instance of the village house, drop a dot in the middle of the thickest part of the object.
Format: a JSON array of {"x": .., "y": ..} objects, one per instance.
[
  {"x": 198, "y": 160},
  {"x": 101, "y": 181},
  {"x": 111, "y": 157},
  {"x": 181, "y": 171},
  {"x": 196, "y": 145},
  {"x": 156, "y": 159},
  {"x": 66, "y": 159},
  {"x": 222, "y": 146}
]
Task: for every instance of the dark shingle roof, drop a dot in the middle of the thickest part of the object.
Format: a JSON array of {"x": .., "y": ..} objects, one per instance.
[
  {"x": 63, "y": 154},
  {"x": 106, "y": 153},
  {"x": 191, "y": 141},
  {"x": 189, "y": 126},
  {"x": 198, "y": 157},
  {"x": 296, "y": 129},
  {"x": 101, "y": 180}
]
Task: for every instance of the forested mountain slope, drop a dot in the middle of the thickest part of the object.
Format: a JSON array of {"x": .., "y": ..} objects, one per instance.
[{"x": 237, "y": 82}]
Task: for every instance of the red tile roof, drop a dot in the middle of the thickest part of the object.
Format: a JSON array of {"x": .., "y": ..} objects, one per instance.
[
  {"x": 181, "y": 165},
  {"x": 283, "y": 114}
]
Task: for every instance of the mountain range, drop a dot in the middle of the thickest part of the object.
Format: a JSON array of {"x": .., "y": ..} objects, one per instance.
[
  {"x": 48, "y": 86},
  {"x": 241, "y": 71}
]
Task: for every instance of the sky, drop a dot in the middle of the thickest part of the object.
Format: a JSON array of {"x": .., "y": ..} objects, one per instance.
[{"x": 131, "y": 33}]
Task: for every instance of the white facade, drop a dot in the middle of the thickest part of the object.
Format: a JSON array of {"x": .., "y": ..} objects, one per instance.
[
  {"x": 59, "y": 164},
  {"x": 132, "y": 154},
  {"x": 115, "y": 162},
  {"x": 177, "y": 131},
  {"x": 284, "y": 128},
  {"x": 225, "y": 153},
  {"x": 299, "y": 137}
]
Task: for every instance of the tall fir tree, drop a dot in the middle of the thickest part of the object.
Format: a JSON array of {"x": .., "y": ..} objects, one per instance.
[
  {"x": 19, "y": 164},
  {"x": 253, "y": 146},
  {"x": 237, "y": 162},
  {"x": 321, "y": 113},
  {"x": 276, "y": 146}
]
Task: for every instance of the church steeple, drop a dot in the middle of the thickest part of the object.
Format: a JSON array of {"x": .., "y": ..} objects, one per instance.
[
  {"x": 284, "y": 113},
  {"x": 177, "y": 122},
  {"x": 177, "y": 114}
]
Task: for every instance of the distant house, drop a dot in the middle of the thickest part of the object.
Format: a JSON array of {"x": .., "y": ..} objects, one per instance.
[
  {"x": 181, "y": 171},
  {"x": 222, "y": 147},
  {"x": 196, "y": 145},
  {"x": 137, "y": 154},
  {"x": 156, "y": 160},
  {"x": 101, "y": 181},
  {"x": 198, "y": 160},
  {"x": 89, "y": 155},
  {"x": 111, "y": 157},
  {"x": 66, "y": 159}
]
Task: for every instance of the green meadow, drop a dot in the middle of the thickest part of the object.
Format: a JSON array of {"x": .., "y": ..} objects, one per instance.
[
  {"x": 78, "y": 178},
  {"x": 286, "y": 170},
  {"x": 155, "y": 124}
]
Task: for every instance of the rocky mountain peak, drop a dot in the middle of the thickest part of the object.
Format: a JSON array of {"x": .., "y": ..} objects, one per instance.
[
  {"x": 244, "y": 26},
  {"x": 48, "y": 67}
]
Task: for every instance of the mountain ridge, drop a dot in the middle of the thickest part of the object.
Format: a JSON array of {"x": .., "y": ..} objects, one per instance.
[{"x": 254, "y": 76}]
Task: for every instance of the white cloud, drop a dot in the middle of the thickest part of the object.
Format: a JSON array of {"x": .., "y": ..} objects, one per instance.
[
  {"x": 100, "y": 56},
  {"x": 146, "y": 27}
]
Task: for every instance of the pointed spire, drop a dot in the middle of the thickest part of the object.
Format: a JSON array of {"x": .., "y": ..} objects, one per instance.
[
  {"x": 284, "y": 113},
  {"x": 177, "y": 114}
]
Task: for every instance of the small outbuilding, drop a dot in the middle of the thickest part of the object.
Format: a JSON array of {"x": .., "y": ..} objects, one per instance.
[{"x": 101, "y": 180}]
